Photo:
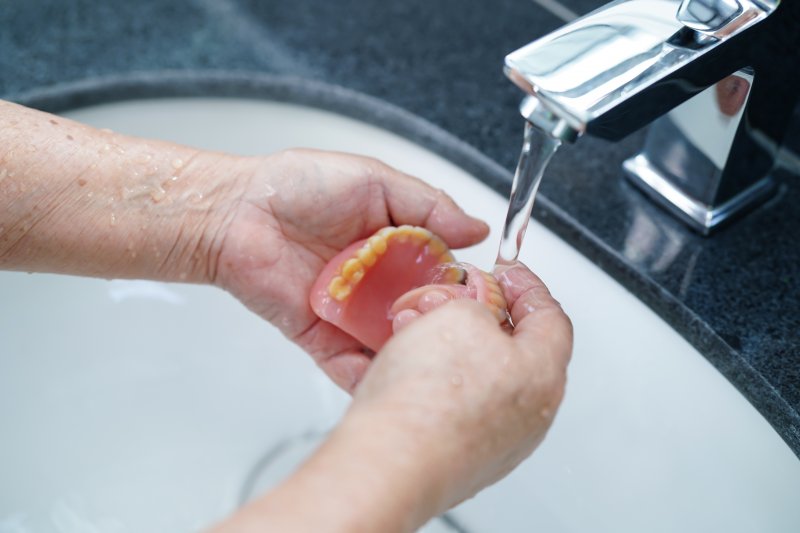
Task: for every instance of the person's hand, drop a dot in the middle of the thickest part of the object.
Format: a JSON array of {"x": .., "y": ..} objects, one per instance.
[
  {"x": 296, "y": 211},
  {"x": 451, "y": 404},
  {"x": 475, "y": 400},
  {"x": 88, "y": 202}
]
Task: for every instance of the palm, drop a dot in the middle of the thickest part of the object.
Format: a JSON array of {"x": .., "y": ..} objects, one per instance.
[{"x": 315, "y": 205}]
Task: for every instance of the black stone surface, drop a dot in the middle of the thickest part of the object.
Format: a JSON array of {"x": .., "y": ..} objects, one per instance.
[{"x": 735, "y": 296}]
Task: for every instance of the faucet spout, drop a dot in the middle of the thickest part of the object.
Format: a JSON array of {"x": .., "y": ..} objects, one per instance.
[{"x": 724, "y": 70}]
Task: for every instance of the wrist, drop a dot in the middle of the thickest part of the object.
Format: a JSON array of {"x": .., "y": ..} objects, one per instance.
[
  {"x": 368, "y": 476},
  {"x": 77, "y": 200}
]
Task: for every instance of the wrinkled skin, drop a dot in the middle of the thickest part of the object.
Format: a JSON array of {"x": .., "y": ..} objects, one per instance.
[
  {"x": 488, "y": 398},
  {"x": 452, "y": 402},
  {"x": 297, "y": 210}
]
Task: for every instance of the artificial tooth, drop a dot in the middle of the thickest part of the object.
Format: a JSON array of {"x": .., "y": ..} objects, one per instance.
[
  {"x": 421, "y": 234},
  {"x": 351, "y": 269},
  {"x": 339, "y": 289},
  {"x": 437, "y": 247},
  {"x": 387, "y": 232},
  {"x": 367, "y": 255},
  {"x": 378, "y": 243}
]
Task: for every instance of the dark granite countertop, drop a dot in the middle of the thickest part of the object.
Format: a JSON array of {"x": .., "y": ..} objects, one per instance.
[{"x": 735, "y": 296}]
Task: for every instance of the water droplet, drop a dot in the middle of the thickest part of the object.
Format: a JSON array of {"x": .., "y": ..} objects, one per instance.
[
  {"x": 157, "y": 194},
  {"x": 177, "y": 163},
  {"x": 113, "y": 219},
  {"x": 456, "y": 380},
  {"x": 143, "y": 158}
]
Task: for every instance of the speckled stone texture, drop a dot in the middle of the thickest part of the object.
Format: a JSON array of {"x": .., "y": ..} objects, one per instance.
[{"x": 735, "y": 296}]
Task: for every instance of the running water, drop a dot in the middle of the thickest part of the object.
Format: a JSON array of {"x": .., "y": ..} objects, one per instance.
[{"x": 537, "y": 149}]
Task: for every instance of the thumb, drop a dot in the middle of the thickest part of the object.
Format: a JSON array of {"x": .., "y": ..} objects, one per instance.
[{"x": 540, "y": 324}]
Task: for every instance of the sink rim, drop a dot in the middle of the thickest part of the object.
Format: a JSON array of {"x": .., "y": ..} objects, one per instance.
[{"x": 322, "y": 95}]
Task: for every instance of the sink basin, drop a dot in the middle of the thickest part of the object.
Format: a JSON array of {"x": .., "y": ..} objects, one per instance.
[{"x": 131, "y": 406}]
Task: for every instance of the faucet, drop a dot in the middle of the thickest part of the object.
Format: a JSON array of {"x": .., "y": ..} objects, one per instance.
[{"x": 717, "y": 80}]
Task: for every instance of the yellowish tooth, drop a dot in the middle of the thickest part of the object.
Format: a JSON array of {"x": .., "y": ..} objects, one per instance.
[
  {"x": 386, "y": 232},
  {"x": 436, "y": 246},
  {"x": 454, "y": 275},
  {"x": 366, "y": 255},
  {"x": 352, "y": 268},
  {"x": 401, "y": 234},
  {"x": 339, "y": 289},
  {"x": 501, "y": 314},
  {"x": 491, "y": 283},
  {"x": 377, "y": 243},
  {"x": 421, "y": 234},
  {"x": 496, "y": 300},
  {"x": 447, "y": 257}
]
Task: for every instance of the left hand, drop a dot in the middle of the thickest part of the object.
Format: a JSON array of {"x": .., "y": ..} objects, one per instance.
[{"x": 296, "y": 211}]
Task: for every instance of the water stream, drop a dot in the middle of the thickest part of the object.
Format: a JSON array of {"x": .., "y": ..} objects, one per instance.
[{"x": 538, "y": 148}]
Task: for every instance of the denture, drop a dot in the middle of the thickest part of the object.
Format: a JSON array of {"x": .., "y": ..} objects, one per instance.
[{"x": 363, "y": 287}]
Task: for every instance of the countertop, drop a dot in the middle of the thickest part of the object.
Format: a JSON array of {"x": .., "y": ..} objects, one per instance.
[{"x": 735, "y": 296}]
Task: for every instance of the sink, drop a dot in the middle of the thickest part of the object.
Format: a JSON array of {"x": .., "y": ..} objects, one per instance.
[{"x": 131, "y": 406}]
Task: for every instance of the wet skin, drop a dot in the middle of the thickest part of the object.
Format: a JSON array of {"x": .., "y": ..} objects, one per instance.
[{"x": 452, "y": 401}]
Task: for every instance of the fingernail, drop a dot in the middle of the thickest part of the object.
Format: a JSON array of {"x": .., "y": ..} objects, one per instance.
[
  {"x": 403, "y": 319},
  {"x": 431, "y": 300}
]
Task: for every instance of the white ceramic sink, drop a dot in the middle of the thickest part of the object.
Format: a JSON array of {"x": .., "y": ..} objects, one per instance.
[{"x": 143, "y": 407}]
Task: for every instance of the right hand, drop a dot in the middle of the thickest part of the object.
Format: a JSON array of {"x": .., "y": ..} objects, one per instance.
[
  {"x": 451, "y": 404},
  {"x": 474, "y": 400}
]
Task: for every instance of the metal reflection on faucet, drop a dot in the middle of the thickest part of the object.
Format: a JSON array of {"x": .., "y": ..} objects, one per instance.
[{"x": 630, "y": 62}]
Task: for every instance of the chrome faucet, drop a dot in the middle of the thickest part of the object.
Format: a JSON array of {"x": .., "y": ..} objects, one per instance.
[{"x": 725, "y": 72}]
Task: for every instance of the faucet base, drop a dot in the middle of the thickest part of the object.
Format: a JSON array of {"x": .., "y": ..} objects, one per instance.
[{"x": 699, "y": 216}]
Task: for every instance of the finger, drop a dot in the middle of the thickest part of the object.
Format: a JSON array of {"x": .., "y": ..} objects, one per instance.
[
  {"x": 340, "y": 356},
  {"x": 426, "y": 298},
  {"x": 539, "y": 321},
  {"x": 347, "y": 368},
  {"x": 409, "y": 200},
  {"x": 404, "y": 318}
]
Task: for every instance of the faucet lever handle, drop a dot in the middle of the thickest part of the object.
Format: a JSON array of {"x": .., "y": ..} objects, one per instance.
[{"x": 722, "y": 18}]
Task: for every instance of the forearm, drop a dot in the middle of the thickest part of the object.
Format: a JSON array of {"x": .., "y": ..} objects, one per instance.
[
  {"x": 77, "y": 200},
  {"x": 370, "y": 476}
]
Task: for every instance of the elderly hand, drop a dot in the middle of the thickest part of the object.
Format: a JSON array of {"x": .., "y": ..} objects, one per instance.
[
  {"x": 297, "y": 210},
  {"x": 77, "y": 200},
  {"x": 451, "y": 404}
]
